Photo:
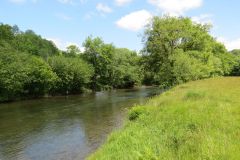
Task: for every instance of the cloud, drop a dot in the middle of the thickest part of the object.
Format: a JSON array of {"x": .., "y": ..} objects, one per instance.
[
  {"x": 122, "y": 2},
  {"x": 83, "y": 1},
  {"x": 230, "y": 44},
  {"x": 203, "y": 19},
  {"x": 58, "y": 42},
  {"x": 103, "y": 8},
  {"x": 64, "y": 44},
  {"x": 22, "y": 1},
  {"x": 73, "y": 2},
  {"x": 63, "y": 17},
  {"x": 66, "y": 1},
  {"x": 134, "y": 21},
  {"x": 89, "y": 15},
  {"x": 176, "y": 7},
  {"x": 17, "y": 1}
]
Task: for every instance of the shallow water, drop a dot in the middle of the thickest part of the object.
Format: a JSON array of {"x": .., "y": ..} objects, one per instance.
[{"x": 63, "y": 128}]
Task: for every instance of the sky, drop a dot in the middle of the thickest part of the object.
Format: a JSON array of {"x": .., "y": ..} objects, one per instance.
[{"x": 120, "y": 22}]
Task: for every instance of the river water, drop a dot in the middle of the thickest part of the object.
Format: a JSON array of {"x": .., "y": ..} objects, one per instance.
[{"x": 64, "y": 128}]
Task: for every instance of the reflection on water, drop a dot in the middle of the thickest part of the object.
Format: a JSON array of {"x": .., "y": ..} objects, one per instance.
[{"x": 64, "y": 128}]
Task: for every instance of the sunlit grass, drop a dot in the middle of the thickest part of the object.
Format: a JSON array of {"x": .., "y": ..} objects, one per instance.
[{"x": 197, "y": 120}]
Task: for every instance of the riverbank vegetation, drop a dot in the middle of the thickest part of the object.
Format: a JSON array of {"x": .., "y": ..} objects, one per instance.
[
  {"x": 176, "y": 50},
  {"x": 196, "y": 120},
  {"x": 33, "y": 67}
]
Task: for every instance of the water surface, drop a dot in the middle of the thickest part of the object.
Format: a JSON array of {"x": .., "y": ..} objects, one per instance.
[{"x": 63, "y": 128}]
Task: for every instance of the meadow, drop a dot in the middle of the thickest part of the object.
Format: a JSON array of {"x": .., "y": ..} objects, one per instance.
[{"x": 196, "y": 120}]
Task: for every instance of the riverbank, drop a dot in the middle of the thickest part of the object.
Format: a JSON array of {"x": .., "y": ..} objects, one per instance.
[{"x": 197, "y": 120}]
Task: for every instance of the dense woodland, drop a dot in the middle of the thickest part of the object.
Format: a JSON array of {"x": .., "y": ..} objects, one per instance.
[{"x": 176, "y": 50}]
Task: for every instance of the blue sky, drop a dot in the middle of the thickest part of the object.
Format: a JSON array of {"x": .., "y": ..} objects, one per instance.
[{"x": 117, "y": 21}]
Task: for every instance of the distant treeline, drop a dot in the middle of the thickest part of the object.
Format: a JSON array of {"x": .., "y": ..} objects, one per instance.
[{"x": 176, "y": 50}]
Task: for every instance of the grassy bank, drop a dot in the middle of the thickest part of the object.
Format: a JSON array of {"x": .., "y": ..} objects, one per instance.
[{"x": 197, "y": 120}]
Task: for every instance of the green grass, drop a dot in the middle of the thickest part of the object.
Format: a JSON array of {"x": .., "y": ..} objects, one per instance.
[{"x": 194, "y": 121}]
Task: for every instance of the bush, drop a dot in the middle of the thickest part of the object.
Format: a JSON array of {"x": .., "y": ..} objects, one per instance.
[
  {"x": 22, "y": 75},
  {"x": 135, "y": 112},
  {"x": 73, "y": 74}
]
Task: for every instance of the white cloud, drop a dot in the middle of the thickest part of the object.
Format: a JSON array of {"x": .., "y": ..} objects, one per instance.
[
  {"x": 176, "y": 7},
  {"x": 17, "y": 1},
  {"x": 230, "y": 44},
  {"x": 82, "y": 49},
  {"x": 122, "y": 2},
  {"x": 89, "y": 15},
  {"x": 203, "y": 19},
  {"x": 73, "y": 2},
  {"x": 103, "y": 8},
  {"x": 134, "y": 21},
  {"x": 64, "y": 17},
  {"x": 83, "y": 1},
  {"x": 64, "y": 44},
  {"x": 22, "y": 1},
  {"x": 58, "y": 42},
  {"x": 66, "y": 1}
]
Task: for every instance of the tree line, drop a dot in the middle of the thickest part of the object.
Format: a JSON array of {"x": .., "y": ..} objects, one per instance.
[{"x": 176, "y": 50}]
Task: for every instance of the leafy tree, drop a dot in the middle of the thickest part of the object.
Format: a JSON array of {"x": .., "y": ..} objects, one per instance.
[
  {"x": 31, "y": 43},
  {"x": 113, "y": 67},
  {"x": 6, "y": 32},
  {"x": 165, "y": 36},
  {"x": 23, "y": 76},
  {"x": 126, "y": 68},
  {"x": 236, "y": 69},
  {"x": 73, "y": 74},
  {"x": 100, "y": 55},
  {"x": 72, "y": 51},
  {"x": 6, "y": 36},
  {"x": 194, "y": 65},
  {"x": 12, "y": 38}
]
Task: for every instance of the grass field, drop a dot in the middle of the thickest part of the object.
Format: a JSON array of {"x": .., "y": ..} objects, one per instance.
[{"x": 197, "y": 120}]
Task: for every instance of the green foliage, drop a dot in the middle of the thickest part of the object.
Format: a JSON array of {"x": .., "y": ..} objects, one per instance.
[
  {"x": 6, "y": 33},
  {"x": 126, "y": 69},
  {"x": 236, "y": 56},
  {"x": 113, "y": 67},
  {"x": 28, "y": 42},
  {"x": 73, "y": 74},
  {"x": 194, "y": 95},
  {"x": 31, "y": 43},
  {"x": 23, "y": 76},
  {"x": 72, "y": 51},
  {"x": 194, "y": 65},
  {"x": 100, "y": 56},
  {"x": 187, "y": 68},
  {"x": 202, "y": 122},
  {"x": 135, "y": 112},
  {"x": 178, "y": 50},
  {"x": 101, "y": 66}
]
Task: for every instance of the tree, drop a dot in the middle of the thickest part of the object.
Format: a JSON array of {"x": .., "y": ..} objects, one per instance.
[
  {"x": 126, "y": 69},
  {"x": 236, "y": 55},
  {"x": 33, "y": 44},
  {"x": 22, "y": 75},
  {"x": 73, "y": 74},
  {"x": 100, "y": 56},
  {"x": 165, "y": 36},
  {"x": 73, "y": 50}
]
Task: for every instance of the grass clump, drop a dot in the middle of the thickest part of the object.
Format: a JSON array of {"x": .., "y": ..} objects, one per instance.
[
  {"x": 201, "y": 121},
  {"x": 194, "y": 95},
  {"x": 136, "y": 111}
]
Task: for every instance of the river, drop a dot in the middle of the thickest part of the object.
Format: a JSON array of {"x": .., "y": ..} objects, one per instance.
[{"x": 64, "y": 128}]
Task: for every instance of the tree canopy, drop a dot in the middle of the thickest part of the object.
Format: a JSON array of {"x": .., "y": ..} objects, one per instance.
[
  {"x": 176, "y": 50},
  {"x": 179, "y": 50}
]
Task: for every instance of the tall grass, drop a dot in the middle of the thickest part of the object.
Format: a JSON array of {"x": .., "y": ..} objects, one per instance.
[{"x": 194, "y": 121}]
